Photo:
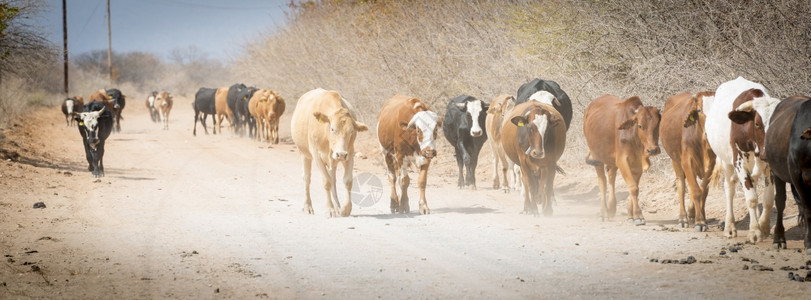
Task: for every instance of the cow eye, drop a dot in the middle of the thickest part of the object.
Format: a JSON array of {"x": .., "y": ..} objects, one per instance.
[{"x": 639, "y": 126}]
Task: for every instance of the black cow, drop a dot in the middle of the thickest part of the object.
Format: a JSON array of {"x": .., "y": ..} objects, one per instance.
[
  {"x": 563, "y": 105},
  {"x": 235, "y": 92},
  {"x": 464, "y": 129},
  {"x": 245, "y": 119},
  {"x": 788, "y": 152},
  {"x": 204, "y": 104},
  {"x": 119, "y": 101},
  {"x": 95, "y": 125}
]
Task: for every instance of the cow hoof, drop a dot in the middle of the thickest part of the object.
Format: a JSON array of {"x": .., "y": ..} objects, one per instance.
[
  {"x": 639, "y": 222},
  {"x": 754, "y": 236},
  {"x": 808, "y": 251},
  {"x": 683, "y": 224},
  {"x": 308, "y": 210},
  {"x": 701, "y": 228},
  {"x": 780, "y": 245},
  {"x": 425, "y": 211}
]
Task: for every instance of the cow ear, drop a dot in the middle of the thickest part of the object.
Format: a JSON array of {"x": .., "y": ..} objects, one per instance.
[
  {"x": 360, "y": 127},
  {"x": 692, "y": 118},
  {"x": 519, "y": 121},
  {"x": 322, "y": 118},
  {"x": 555, "y": 102},
  {"x": 627, "y": 124},
  {"x": 741, "y": 117},
  {"x": 492, "y": 110},
  {"x": 404, "y": 126},
  {"x": 806, "y": 134}
]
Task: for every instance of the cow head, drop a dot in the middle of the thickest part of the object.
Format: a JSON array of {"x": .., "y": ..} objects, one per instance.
[
  {"x": 89, "y": 121},
  {"x": 752, "y": 115},
  {"x": 69, "y": 102},
  {"x": 645, "y": 125},
  {"x": 533, "y": 126},
  {"x": 426, "y": 123},
  {"x": 472, "y": 111},
  {"x": 501, "y": 106},
  {"x": 342, "y": 132}
]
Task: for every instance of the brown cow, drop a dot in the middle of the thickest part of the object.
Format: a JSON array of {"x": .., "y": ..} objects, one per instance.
[
  {"x": 682, "y": 130},
  {"x": 620, "y": 135},
  {"x": 102, "y": 96},
  {"x": 222, "y": 109},
  {"x": 499, "y": 108},
  {"x": 534, "y": 136},
  {"x": 163, "y": 104},
  {"x": 71, "y": 107},
  {"x": 406, "y": 130},
  {"x": 266, "y": 107},
  {"x": 324, "y": 130}
]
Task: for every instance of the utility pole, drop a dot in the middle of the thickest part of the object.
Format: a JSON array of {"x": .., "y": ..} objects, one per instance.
[
  {"x": 109, "y": 45},
  {"x": 65, "y": 42}
]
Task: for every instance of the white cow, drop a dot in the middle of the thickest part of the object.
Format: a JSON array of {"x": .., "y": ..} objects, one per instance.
[{"x": 739, "y": 115}]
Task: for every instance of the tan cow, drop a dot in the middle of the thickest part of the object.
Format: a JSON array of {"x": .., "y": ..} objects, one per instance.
[
  {"x": 163, "y": 104},
  {"x": 499, "y": 108},
  {"x": 534, "y": 137},
  {"x": 222, "y": 109},
  {"x": 324, "y": 130},
  {"x": 267, "y": 107},
  {"x": 684, "y": 140},
  {"x": 406, "y": 130},
  {"x": 621, "y": 134}
]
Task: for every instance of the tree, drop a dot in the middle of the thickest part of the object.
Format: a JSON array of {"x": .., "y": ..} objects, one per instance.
[{"x": 21, "y": 44}]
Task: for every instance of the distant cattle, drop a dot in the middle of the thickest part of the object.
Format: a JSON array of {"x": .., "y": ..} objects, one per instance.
[
  {"x": 237, "y": 99},
  {"x": 119, "y": 102},
  {"x": 496, "y": 114},
  {"x": 534, "y": 136},
  {"x": 71, "y": 107},
  {"x": 621, "y": 134},
  {"x": 266, "y": 107},
  {"x": 95, "y": 125},
  {"x": 683, "y": 138},
  {"x": 530, "y": 89},
  {"x": 464, "y": 129},
  {"x": 203, "y": 106},
  {"x": 163, "y": 104},
  {"x": 246, "y": 124},
  {"x": 223, "y": 111},
  {"x": 406, "y": 131},
  {"x": 150, "y": 106},
  {"x": 788, "y": 152},
  {"x": 324, "y": 130},
  {"x": 737, "y": 120}
]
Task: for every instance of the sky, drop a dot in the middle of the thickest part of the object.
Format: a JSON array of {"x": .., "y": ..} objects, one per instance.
[{"x": 216, "y": 27}]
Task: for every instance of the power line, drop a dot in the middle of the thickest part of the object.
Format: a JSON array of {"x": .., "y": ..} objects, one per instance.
[{"x": 210, "y": 6}]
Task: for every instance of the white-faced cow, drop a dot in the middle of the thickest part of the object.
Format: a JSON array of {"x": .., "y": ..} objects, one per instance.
[
  {"x": 496, "y": 113},
  {"x": 737, "y": 121},
  {"x": 150, "y": 106},
  {"x": 95, "y": 125},
  {"x": 324, "y": 130},
  {"x": 621, "y": 134},
  {"x": 406, "y": 130},
  {"x": 530, "y": 90},
  {"x": 163, "y": 104},
  {"x": 682, "y": 132},
  {"x": 534, "y": 136},
  {"x": 204, "y": 105},
  {"x": 71, "y": 107},
  {"x": 788, "y": 152},
  {"x": 464, "y": 129}
]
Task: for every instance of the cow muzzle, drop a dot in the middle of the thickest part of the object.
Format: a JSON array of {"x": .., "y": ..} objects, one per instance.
[
  {"x": 654, "y": 151},
  {"x": 475, "y": 133},
  {"x": 428, "y": 153},
  {"x": 340, "y": 155}
]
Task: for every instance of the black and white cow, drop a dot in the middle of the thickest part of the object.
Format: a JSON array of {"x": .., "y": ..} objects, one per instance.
[
  {"x": 464, "y": 129},
  {"x": 119, "y": 101},
  {"x": 95, "y": 125},
  {"x": 534, "y": 90},
  {"x": 788, "y": 152},
  {"x": 203, "y": 106}
]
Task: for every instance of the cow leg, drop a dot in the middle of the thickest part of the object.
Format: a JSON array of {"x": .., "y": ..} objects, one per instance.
[
  {"x": 631, "y": 176},
  {"x": 348, "y": 164},
  {"x": 677, "y": 169},
  {"x": 780, "y": 202},
  {"x": 730, "y": 180},
  {"x": 505, "y": 183},
  {"x": 750, "y": 195},
  {"x": 471, "y": 168},
  {"x": 422, "y": 181},
  {"x": 695, "y": 213},
  {"x": 460, "y": 182},
  {"x": 768, "y": 204},
  {"x": 530, "y": 207},
  {"x": 547, "y": 188},
  {"x": 307, "y": 163},
  {"x": 88, "y": 156},
  {"x": 404, "y": 182},
  {"x": 804, "y": 205},
  {"x": 611, "y": 193},
  {"x": 329, "y": 182},
  {"x": 495, "y": 158},
  {"x": 100, "y": 155},
  {"x": 392, "y": 171},
  {"x": 600, "y": 170}
]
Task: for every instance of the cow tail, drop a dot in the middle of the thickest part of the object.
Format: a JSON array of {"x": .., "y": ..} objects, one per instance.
[
  {"x": 592, "y": 162},
  {"x": 715, "y": 178}
]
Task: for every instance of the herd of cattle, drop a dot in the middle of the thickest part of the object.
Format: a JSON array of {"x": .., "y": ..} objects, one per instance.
[{"x": 737, "y": 131}]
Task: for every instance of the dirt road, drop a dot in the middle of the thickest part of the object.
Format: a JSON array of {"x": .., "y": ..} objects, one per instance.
[{"x": 220, "y": 216}]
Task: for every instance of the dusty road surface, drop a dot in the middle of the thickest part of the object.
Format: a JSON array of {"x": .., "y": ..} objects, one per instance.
[{"x": 220, "y": 216}]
